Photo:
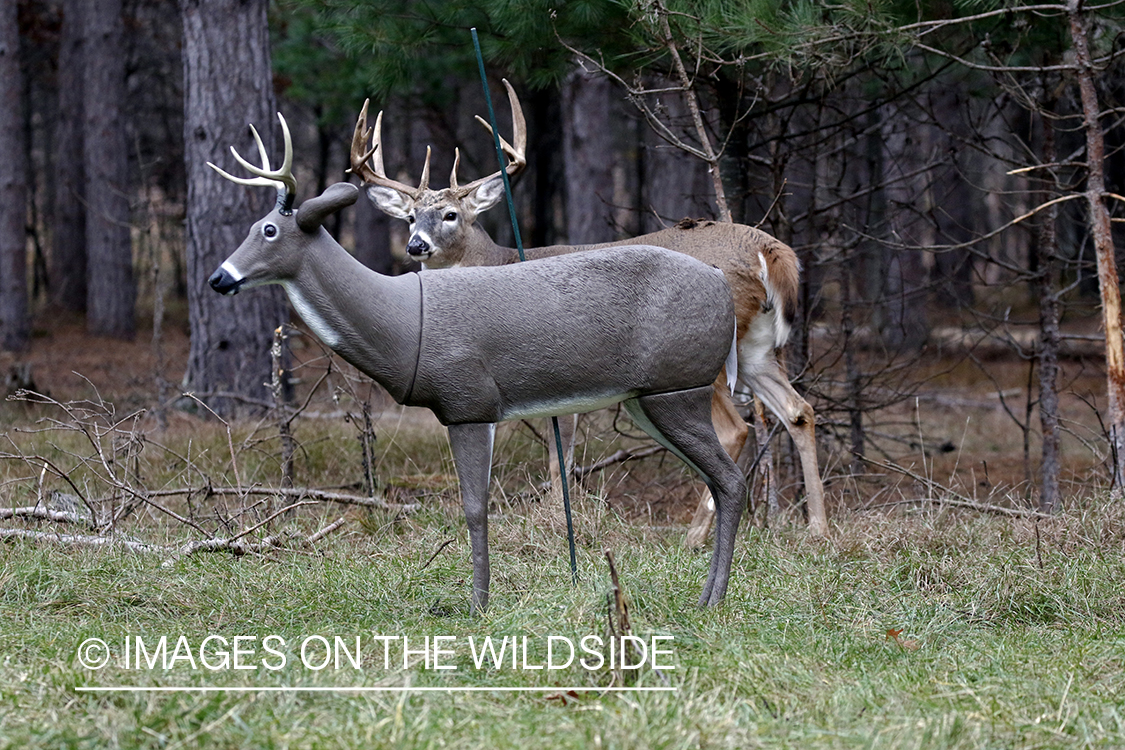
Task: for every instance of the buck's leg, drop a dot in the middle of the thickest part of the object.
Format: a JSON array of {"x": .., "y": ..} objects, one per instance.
[
  {"x": 681, "y": 421},
  {"x": 769, "y": 383},
  {"x": 472, "y": 454},
  {"x": 731, "y": 430}
]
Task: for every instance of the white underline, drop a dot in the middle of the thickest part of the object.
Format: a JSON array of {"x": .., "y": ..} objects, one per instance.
[{"x": 368, "y": 689}]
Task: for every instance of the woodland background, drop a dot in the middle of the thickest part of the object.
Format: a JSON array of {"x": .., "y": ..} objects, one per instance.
[{"x": 935, "y": 165}]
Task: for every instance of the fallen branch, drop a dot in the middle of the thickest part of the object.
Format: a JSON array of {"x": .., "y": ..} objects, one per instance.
[
  {"x": 236, "y": 546},
  {"x": 295, "y": 492},
  {"x": 995, "y": 509},
  {"x": 80, "y": 539},
  {"x": 234, "y": 543},
  {"x": 441, "y": 546},
  {"x": 916, "y": 477},
  {"x": 314, "y": 538},
  {"x": 958, "y": 501},
  {"x": 621, "y": 456},
  {"x": 46, "y": 514}
]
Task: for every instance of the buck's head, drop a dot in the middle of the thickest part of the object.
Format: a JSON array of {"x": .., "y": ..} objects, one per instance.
[
  {"x": 441, "y": 221},
  {"x": 278, "y": 243}
]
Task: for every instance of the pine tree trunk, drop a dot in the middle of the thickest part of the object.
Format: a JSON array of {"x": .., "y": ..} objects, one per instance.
[
  {"x": 111, "y": 291},
  {"x": 14, "y": 324},
  {"x": 68, "y": 227},
  {"x": 903, "y": 324},
  {"x": 227, "y": 85},
  {"x": 588, "y": 157},
  {"x": 1100, "y": 229},
  {"x": 373, "y": 237},
  {"x": 673, "y": 183},
  {"x": 1047, "y": 241},
  {"x": 14, "y": 321}
]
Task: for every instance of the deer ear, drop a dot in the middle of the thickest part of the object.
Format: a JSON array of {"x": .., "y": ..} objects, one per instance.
[
  {"x": 314, "y": 211},
  {"x": 390, "y": 201},
  {"x": 486, "y": 196}
]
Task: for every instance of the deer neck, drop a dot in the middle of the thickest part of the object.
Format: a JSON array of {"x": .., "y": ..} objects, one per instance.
[
  {"x": 372, "y": 321},
  {"x": 481, "y": 250}
]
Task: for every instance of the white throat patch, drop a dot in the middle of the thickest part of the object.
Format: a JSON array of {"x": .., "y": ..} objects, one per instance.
[{"x": 311, "y": 317}]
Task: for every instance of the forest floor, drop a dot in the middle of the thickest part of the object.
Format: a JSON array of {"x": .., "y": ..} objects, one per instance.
[{"x": 917, "y": 623}]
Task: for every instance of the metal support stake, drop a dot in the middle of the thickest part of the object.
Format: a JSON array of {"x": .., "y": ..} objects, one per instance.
[{"x": 519, "y": 248}]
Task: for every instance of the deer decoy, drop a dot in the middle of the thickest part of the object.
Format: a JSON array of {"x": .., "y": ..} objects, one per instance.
[
  {"x": 762, "y": 272},
  {"x": 638, "y": 324}
]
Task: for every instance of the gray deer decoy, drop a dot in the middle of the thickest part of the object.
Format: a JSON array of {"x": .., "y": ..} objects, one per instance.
[
  {"x": 762, "y": 272},
  {"x": 639, "y": 325}
]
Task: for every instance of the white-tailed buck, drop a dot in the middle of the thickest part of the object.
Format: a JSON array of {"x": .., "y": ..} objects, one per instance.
[
  {"x": 763, "y": 274},
  {"x": 639, "y": 325}
]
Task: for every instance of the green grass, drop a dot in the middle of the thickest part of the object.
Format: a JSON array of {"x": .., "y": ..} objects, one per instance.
[
  {"x": 996, "y": 650},
  {"x": 1006, "y": 635}
]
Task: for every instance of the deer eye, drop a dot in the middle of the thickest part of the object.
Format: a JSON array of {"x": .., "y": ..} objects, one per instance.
[
  {"x": 451, "y": 216},
  {"x": 410, "y": 218},
  {"x": 269, "y": 231}
]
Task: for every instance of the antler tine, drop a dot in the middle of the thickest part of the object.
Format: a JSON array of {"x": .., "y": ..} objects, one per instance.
[
  {"x": 376, "y": 145},
  {"x": 283, "y": 175},
  {"x": 453, "y": 174},
  {"x": 517, "y": 159},
  {"x": 359, "y": 153},
  {"x": 519, "y": 129},
  {"x": 424, "y": 183},
  {"x": 360, "y": 156},
  {"x": 282, "y": 179}
]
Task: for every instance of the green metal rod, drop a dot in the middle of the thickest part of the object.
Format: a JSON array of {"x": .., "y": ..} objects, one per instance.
[
  {"x": 499, "y": 149},
  {"x": 519, "y": 248}
]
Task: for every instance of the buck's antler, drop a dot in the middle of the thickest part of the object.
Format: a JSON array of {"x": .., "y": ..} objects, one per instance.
[
  {"x": 363, "y": 158},
  {"x": 282, "y": 179},
  {"x": 368, "y": 162},
  {"x": 516, "y": 154}
]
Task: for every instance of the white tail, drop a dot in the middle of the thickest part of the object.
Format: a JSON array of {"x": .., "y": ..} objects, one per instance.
[{"x": 639, "y": 325}]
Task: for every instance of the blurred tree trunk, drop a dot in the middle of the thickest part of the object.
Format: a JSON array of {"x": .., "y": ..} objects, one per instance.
[
  {"x": 227, "y": 85},
  {"x": 68, "y": 229},
  {"x": 902, "y": 320},
  {"x": 14, "y": 323},
  {"x": 673, "y": 183},
  {"x": 111, "y": 291},
  {"x": 955, "y": 200},
  {"x": 1100, "y": 229},
  {"x": 373, "y": 237},
  {"x": 873, "y": 254},
  {"x": 1047, "y": 240},
  {"x": 550, "y": 177},
  {"x": 588, "y": 156}
]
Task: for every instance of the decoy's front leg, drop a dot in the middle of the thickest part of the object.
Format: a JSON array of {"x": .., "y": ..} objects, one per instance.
[{"x": 472, "y": 454}]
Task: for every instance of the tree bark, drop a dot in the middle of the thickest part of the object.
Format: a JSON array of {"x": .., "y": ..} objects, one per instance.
[
  {"x": 111, "y": 290},
  {"x": 227, "y": 85},
  {"x": 901, "y": 314},
  {"x": 68, "y": 228},
  {"x": 1100, "y": 229},
  {"x": 691, "y": 99},
  {"x": 1047, "y": 241},
  {"x": 588, "y": 157},
  {"x": 673, "y": 184},
  {"x": 373, "y": 237},
  {"x": 14, "y": 323}
]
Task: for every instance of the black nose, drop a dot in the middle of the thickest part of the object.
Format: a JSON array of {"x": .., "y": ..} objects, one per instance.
[
  {"x": 223, "y": 283},
  {"x": 417, "y": 246}
]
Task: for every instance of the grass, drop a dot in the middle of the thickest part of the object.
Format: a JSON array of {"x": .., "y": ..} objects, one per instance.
[
  {"x": 990, "y": 648},
  {"x": 934, "y": 628}
]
